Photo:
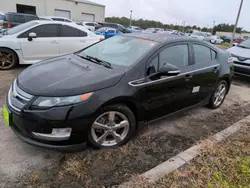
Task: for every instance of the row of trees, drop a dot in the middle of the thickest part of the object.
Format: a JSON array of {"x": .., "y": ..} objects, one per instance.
[{"x": 144, "y": 24}]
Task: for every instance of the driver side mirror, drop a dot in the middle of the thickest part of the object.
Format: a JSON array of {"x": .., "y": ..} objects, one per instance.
[
  {"x": 31, "y": 36},
  {"x": 169, "y": 70},
  {"x": 166, "y": 70}
]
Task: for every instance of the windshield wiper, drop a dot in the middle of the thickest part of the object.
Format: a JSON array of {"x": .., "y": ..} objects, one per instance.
[{"x": 97, "y": 60}]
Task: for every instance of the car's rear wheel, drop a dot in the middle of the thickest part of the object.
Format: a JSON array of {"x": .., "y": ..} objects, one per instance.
[
  {"x": 8, "y": 59},
  {"x": 219, "y": 95},
  {"x": 113, "y": 126}
]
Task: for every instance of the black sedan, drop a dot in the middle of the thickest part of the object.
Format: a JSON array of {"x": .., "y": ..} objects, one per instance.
[{"x": 98, "y": 95}]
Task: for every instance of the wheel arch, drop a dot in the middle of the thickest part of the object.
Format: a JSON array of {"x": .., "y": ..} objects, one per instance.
[
  {"x": 228, "y": 80},
  {"x": 18, "y": 58},
  {"x": 134, "y": 106}
]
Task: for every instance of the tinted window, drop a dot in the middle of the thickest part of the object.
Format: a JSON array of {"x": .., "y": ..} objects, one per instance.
[
  {"x": 58, "y": 19},
  {"x": 21, "y": 27},
  {"x": 120, "y": 27},
  {"x": 18, "y": 18},
  {"x": 213, "y": 55},
  {"x": 49, "y": 30},
  {"x": 90, "y": 24},
  {"x": 110, "y": 31},
  {"x": 153, "y": 66},
  {"x": 110, "y": 25},
  {"x": 176, "y": 55},
  {"x": 67, "y": 31},
  {"x": 67, "y": 21},
  {"x": 202, "y": 54}
]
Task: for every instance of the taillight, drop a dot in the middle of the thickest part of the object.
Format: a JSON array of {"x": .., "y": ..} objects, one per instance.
[
  {"x": 9, "y": 25},
  {"x": 101, "y": 39}
]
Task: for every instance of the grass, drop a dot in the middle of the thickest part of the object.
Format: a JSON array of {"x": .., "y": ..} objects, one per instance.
[
  {"x": 224, "y": 45},
  {"x": 226, "y": 165}
]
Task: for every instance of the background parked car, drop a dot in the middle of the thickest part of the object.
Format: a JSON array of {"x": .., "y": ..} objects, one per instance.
[
  {"x": 34, "y": 41},
  {"x": 108, "y": 32},
  {"x": 215, "y": 40},
  {"x": 2, "y": 15},
  {"x": 241, "y": 58},
  {"x": 13, "y": 19},
  {"x": 113, "y": 25},
  {"x": 134, "y": 29},
  {"x": 238, "y": 40},
  {"x": 226, "y": 39},
  {"x": 55, "y": 18},
  {"x": 89, "y": 25},
  {"x": 198, "y": 35},
  {"x": 154, "y": 30}
]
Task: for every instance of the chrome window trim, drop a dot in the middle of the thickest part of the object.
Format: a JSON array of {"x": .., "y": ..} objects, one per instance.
[{"x": 167, "y": 78}]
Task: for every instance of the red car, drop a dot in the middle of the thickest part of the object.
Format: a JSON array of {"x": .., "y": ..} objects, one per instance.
[{"x": 238, "y": 40}]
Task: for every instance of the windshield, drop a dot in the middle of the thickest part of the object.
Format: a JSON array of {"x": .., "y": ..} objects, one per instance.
[
  {"x": 21, "y": 27},
  {"x": 119, "y": 50},
  {"x": 245, "y": 44},
  {"x": 102, "y": 30}
]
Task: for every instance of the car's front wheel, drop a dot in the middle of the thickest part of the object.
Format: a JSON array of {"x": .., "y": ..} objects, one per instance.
[
  {"x": 8, "y": 59},
  {"x": 219, "y": 95},
  {"x": 113, "y": 126}
]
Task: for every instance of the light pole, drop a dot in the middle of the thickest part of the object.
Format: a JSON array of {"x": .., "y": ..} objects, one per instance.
[
  {"x": 213, "y": 27},
  {"x": 236, "y": 22},
  {"x": 131, "y": 11}
]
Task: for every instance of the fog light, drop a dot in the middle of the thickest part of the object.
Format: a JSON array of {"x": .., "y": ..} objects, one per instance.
[{"x": 61, "y": 131}]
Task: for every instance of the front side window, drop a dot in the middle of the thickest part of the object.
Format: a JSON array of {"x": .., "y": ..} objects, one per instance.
[
  {"x": 67, "y": 31},
  {"x": 90, "y": 24},
  {"x": 176, "y": 55},
  {"x": 120, "y": 50},
  {"x": 43, "y": 31},
  {"x": 203, "y": 54}
]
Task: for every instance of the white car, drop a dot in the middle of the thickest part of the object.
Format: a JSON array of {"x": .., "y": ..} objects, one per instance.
[
  {"x": 34, "y": 41},
  {"x": 215, "y": 40},
  {"x": 198, "y": 35},
  {"x": 55, "y": 18}
]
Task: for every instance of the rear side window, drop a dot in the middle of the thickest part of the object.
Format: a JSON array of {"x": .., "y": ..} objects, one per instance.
[
  {"x": 203, "y": 54},
  {"x": 67, "y": 31},
  {"x": 43, "y": 31},
  {"x": 58, "y": 19},
  {"x": 19, "y": 18}
]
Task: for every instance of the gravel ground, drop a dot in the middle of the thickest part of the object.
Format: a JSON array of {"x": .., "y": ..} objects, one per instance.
[{"x": 17, "y": 158}]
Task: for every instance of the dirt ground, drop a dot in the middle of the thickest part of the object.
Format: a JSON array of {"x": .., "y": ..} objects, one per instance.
[{"x": 22, "y": 165}]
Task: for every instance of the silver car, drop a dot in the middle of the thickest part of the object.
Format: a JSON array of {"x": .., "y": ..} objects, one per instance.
[{"x": 241, "y": 58}]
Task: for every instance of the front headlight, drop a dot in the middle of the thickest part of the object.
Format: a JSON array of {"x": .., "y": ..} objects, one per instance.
[{"x": 45, "y": 102}]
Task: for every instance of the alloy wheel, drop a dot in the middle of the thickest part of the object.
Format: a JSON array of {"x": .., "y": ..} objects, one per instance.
[
  {"x": 6, "y": 60},
  {"x": 219, "y": 94},
  {"x": 110, "y": 128}
]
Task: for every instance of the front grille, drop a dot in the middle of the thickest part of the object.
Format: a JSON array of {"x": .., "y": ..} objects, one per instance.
[
  {"x": 17, "y": 98},
  {"x": 241, "y": 63}
]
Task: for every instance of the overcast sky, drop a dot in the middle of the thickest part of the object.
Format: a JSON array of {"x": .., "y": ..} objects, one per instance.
[{"x": 194, "y": 12}]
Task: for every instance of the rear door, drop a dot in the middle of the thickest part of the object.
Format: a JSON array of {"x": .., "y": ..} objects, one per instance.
[
  {"x": 72, "y": 39},
  {"x": 45, "y": 46},
  {"x": 207, "y": 69}
]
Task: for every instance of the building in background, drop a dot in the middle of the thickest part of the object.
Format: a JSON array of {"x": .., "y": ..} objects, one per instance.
[{"x": 77, "y": 10}]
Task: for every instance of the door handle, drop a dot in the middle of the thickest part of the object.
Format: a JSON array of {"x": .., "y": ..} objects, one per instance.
[
  {"x": 54, "y": 42},
  {"x": 188, "y": 77}
]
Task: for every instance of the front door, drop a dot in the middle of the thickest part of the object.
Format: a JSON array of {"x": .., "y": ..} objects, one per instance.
[
  {"x": 206, "y": 72},
  {"x": 169, "y": 94},
  {"x": 44, "y": 46}
]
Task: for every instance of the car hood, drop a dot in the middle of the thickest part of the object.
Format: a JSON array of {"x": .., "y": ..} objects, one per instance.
[
  {"x": 238, "y": 51},
  {"x": 67, "y": 76}
]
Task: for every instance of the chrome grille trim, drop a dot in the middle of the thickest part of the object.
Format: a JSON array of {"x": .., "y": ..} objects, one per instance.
[
  {"x": 9, "y": 100},
  {"x": 20, "y": 93}
]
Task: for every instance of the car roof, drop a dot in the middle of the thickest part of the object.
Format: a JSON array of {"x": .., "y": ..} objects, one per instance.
[
  {"x": 160, "y": 37},
  {"x": 22, "y": 14},
  {"x": 55, "y": 17}
]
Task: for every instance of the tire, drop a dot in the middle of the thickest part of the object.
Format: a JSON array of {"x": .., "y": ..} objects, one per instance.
[
  {"x": 212, "y": 101},
  {"x": 7, "y": 55},
  {"x": 122, "y": 113}
]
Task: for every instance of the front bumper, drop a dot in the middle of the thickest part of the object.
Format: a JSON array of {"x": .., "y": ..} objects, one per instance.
[{"x": 242, "y": 69}]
